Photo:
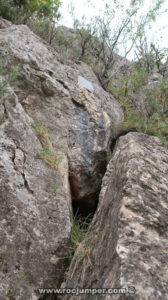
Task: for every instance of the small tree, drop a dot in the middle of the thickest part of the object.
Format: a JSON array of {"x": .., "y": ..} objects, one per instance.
[
  {"x": 116, "y": 28},
  {"x": 85, "y": 32},
  {"x": 150, "y": 56}
]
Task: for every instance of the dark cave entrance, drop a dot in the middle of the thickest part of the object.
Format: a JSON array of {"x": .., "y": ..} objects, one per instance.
[{"x": 86, "y": 207}]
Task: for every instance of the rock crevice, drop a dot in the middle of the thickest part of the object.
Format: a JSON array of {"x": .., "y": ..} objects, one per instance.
[
  {"x": 126, "y": 245},
  {"x": 35, "y": 195}
]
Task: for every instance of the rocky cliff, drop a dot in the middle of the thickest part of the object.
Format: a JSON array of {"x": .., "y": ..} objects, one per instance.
[{"x": 55, "y": 136}]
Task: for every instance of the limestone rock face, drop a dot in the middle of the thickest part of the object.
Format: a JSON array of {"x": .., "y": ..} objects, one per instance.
[
  {"x": 126, "y": 245},
  {"x": 80, "y": 124},
  {"x": 34, "y": 220},
  {"x": 34, "y": 197}
]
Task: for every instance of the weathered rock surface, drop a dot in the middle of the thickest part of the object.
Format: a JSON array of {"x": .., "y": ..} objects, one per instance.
[
  {"x": 127, "y": 243},
  {"x": 34, "y": 220},
  {"x": 80, "y": 123},
  {"x": 35, "y": 198}
]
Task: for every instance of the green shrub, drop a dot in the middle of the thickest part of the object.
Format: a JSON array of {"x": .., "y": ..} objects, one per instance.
[
  {"x": 156, "y": 102},
  {"x": 156, "y": 124},
  {"x": 7, "y": 11},
  {"x": 20, "y": 11},
  {"x": 40, "y": 27},
  {"x": 138, "y": 77}
]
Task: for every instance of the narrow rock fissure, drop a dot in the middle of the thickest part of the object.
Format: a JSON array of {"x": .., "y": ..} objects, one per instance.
[
  {"x": 83, "y": 211},
  {"x": 82, "y": 214},
  {"x": 84, "y": 208}
]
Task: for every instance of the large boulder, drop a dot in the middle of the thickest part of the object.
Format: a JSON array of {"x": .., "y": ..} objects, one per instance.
[
  {"x": 126, "y": 246},
  {"x": 34, "y": 217},
  {"x": 80, "y": 123}
]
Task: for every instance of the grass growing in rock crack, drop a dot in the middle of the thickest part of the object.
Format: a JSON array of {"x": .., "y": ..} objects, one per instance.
[
  {"x": 47, "y": 153},
  {"x": 42, "y": 134},
  {"x": 78, "y": 231},
  {"x": 50, "y": 157},
  {"x": 79, "y": 228},
  {"x": 86, "y": 250}
]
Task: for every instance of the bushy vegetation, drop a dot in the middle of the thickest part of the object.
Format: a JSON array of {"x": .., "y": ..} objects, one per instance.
[
  {"x": 40, "y": 15},
  {"x": 154, "y": 120},
  {"x": 20, "y": 11}
]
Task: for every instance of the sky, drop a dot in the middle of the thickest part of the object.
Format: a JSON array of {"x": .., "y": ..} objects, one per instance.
[{"x": 158, "y": 33}]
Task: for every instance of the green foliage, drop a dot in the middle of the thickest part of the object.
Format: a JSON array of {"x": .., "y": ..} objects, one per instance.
[
  {"x": 85, "y": 32},
  {"x": 78, "y": 234},
  {"x": 156, "y": 122},
  {"x": 21, "y": 10},
  {"x": 163, "y": 85},
  {"x": 156, "y": 126},
  {"x": 138, "y": 77},
  {"x": 66, "y": 42},
  {"x": 40, "y": 15},
  {"x": 41, "y": 27},
  {"x": 78, "y": 231},
  {"x": 43, "y": 22}
]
